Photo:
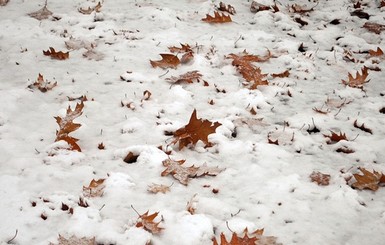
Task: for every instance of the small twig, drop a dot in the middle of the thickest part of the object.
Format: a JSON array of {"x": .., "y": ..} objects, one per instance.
[
  {"x": 13, "y": 238},
  {"x": 102, "y": 207},
  {"x": 232, "y": 215},
  {"x": 235, "y": 43},
  {"x": 164, "y": 74},
  {"x": 355, "y": 137},
  {"x": 38, "y": 152},
  {"x": 135, "y": 210},
  {"x": 338, "y": 112},
  {"x": 227, "y": 224}
]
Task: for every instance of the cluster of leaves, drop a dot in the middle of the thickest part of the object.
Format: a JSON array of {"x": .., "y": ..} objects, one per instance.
[
  {"x": 172, "y": 60},
  {"x": 254, "y": 238},
  {"x": 42, "y": 85},
  {"x": 67, "y": 126},
  {"x": 147, "y": 222}
]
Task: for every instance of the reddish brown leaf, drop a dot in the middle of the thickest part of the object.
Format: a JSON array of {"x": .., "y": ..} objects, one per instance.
[
  {"x": 254, "y": 238},
  {"x": 42, "y": 85},
  {"x": 382, "y": 3},
  {"x": 188, "y": 77},
  {"x": 281, "y": 75},
  {"x": 345, "y": 150},
  {"x": 376, "y": 53},
  {"x": 66, "y": 126},
  {"x": 56, "y": 55},
  {"x": 369, "y": 180},
  {"x": 195, "y": 130},
  {"x": 167, "y": 61},
  {"x": 185, "y": 48},
  {"x": 217, "y": 18},
  {"x": 229, "y": 9},
  {"x": 257, "y": 7},
  {"x": 374, "y": 27},
  {"x": 147, "y": 222},
  {"x": 131, "y": 157},
  {"x": 101, "y": 146},
  {"x": 192, "y": 205},
  {"x": 359, "y": 80},
  {"x": 334, "y": 138},
  {"x": 320, "y": 178},
  {"x": 362, "y": 127},
  {"x": 187, "y": 57},
  {"x": 94, "y": 189}
]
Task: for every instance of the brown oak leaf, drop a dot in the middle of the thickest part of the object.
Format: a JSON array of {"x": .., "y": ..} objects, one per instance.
[
  {"x": 362, "y": 127},
  {"x": 94, "y": 189},
  {"x": 167, "y": 61},
  {"x": 42, "y": 85},
  {"x": 73, "y": 240},
  {"x": 374, "y": 27},
  {"x": 183, "y": 174},
  {"x": 147, "y": 222},
  {"x": 359, "y": 80},
  {"x": 156, "y": 188},
  {"x": 257, "y": 7},
  {"x": 188, "y": 77},
  {"x": 254, "y": 238},
  {"x": 296, "y": 8},
  {"x": 334, "y": 138},
  {"x": 41, "y": 14},
  {"x": 89, "y": 10},
  {"x": 217, "y": 18},
  {"x": 66, "y": 126},
  {"x": 281, "y": 75},
  {"x": 195, "y": 130},
  {"x": 369, "y": 180},
  {"x": 226, "y": 8},
  {"x": 376, "y": 53},
  {"x": 185, "y": 48},
  {"x": 320, "y": 178},
  {"x": 56, "y": 55}
]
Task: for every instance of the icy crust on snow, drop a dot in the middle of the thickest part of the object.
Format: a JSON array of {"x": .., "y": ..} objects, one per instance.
[{"x": 262, "y": 185}]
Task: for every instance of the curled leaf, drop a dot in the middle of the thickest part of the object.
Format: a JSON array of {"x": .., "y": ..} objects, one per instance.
[
  {"x": 167, "y": 61},
  {"x": 217, "y": 18}
]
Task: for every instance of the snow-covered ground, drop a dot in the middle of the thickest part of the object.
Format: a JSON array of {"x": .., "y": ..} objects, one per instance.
[{"x": 262, "y": 185}]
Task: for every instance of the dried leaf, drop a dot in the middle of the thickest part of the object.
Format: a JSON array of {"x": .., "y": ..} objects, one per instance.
[
  {"x": 56, "y": 55},
  {"x": 94, "y": 189},
  {"x": 217, "y": 18},
  {"x": 73, "y": 240},
  {"x": 101, "y": 146},
  {"x": 183, "y": 174},
  {"x": 362, "y": 127},
  {"x": 195, "y": 130},
  {"x": 167, "y": 61},
  {"x": 334, "y": 138},
  {"x": 281, "y": 75},
  {"x": 147, "y": 222},
  {"x": 359, "y": 80},
  {"x": 257, "y": 7},
  {"x": 155, "y": 188},
  {"x": 229, "y": 9},
  {"x": 374, "y": 27},
  {"x": 192, "y": 204},
  {"x": 382, "y": 3},
  {"x": 296, "y": 8},
  {"x": 42, "y": 85},
  {"x": 131, "y": 157},
  {"x": 66, "y": 126},
  {"x": 254, "y": 238},
  {"x": 360, "y": 14},
  {"x": 89, "y": 10},
  {"x": 185, "y": 48},
  {"x": 345, "y": 150},
  {"x": 41, "y": 14},
  {"x": 368, "y": 180},
  {"x": 188, "y": 77},
  {"x": 376, "y": 53},
  {"x": 3, "y": 2},
  {"x": 187, "y": 57},
  {"x": 320, "y": 178}
]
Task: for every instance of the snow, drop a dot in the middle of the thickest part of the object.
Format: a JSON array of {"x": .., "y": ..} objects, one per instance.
[{"x": 262, "y": 186}]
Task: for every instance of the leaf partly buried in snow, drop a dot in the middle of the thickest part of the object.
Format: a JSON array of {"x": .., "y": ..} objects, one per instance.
[
  {"x": 359, "y": 80},
  {"x": 167, "y": 61},
  {"x": 42, "y": 85},
  {"x": 369, "y": 180},
  {"x": 89, "y": 10},
  {"x": 183, "y": 174},
  {"x": 73, "y": 240},
  {"x": 195, "y": 130},
  {"x": 334, "y": 138},
  {"x": 41, "y": 14},
  {"x": 147, "y": 222},
  {"x": 226, "y": 8},
  {"x": 56, "y": 55},
  {"x": 376, "y": 53},
  {"x": 156, "y": 188},
  {"x": 217, "y": 18},
  {"x": 94, "y": 189},
  {"x": 320, "y": 178},
  {"x": 374, "y": 27},
  {"x": 188, "y": 77},
  {"x": 254, "y": 238}
]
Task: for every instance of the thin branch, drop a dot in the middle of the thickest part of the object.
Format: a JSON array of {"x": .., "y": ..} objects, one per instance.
[{"x": 13, "y": 238}]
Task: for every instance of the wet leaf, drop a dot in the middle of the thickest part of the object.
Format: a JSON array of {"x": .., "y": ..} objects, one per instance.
[
  {"x": 167, "y": 61},
  {"x": 217, "y": 18}
]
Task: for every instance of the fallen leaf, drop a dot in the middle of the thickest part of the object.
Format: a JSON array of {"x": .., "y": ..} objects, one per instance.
[
  {"x": 382, "y": 3},
  {"x": 188, "y": 77},
  {"x": 360, "y": 14},
  {"x": 3, "y": 2},
  {"x": 256, "y": 7},
  {"x": 89, "y": 10},
  {"x": 229, "y": 9},
  {"x": 320, "y": 178},
  {"x": 362, "y": 127},
  {"x": 147, "y": 222},
  {"x": 359, "y": 80},
  {"x": 254, "y": 238},
  {"x": 155, "y": 188},
  {"x": 73, "y": 240},
  {"x": 131, "y": 157},
  {"x": 187, "y": 57},
  {"x": 192, "y": 205},
  {"x": 334, "y": 138},
  {"x": 217, "y": 18},
  {"x": 195, "y": 130},
  {"x": 185, "y": 48},
  {"x": 167, "y": 61},
  {"x": 42, "y": 85},
  {"x": 345, "y": 150},
  {"x": 281, "y": 75},
  {"x": 374, "y": 27},
  {"x": 101, "y": 146},
  {"x": 376, "y": 53},
  {"x": 369, "y": 180},
  {"x": 56, "y": 55},
  {"x": 41, "y": 14},
  {"x": 296, "y": 8},
  {"x": 66, "y": 126},
  {"x": 94, "y": 189},
  {"x": 183, "y": 174}
]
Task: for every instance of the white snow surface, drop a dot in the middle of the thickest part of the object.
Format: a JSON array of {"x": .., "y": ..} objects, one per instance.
[{"x": 262, "y": 186}]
